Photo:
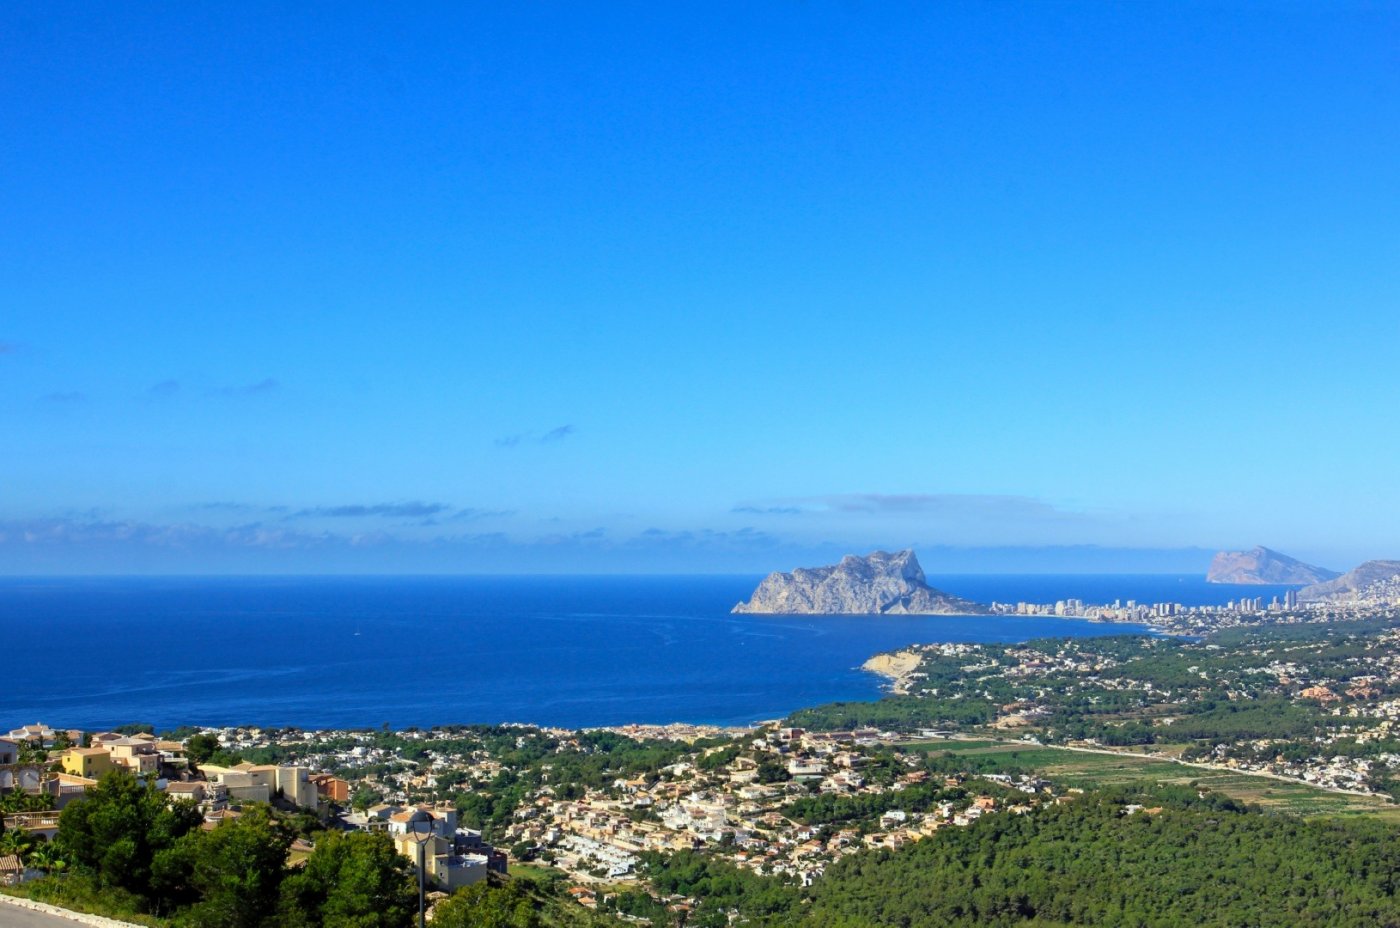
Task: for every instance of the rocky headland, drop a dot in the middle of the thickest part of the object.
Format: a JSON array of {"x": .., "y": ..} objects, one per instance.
[
  {"x": 1264, "y": 566},
  {"x": 879, "y": 584},
  {"x": 897, "y": 667}
]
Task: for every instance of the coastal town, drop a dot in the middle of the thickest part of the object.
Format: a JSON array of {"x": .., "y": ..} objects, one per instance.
[
  {"x": 1173, "y": 618},
  {"x": 737, "y": 791},
  {"x": 1371, "y": 590}
]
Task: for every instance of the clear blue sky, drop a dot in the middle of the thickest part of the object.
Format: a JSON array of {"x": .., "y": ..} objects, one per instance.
[{"x": 629, "y": 287}]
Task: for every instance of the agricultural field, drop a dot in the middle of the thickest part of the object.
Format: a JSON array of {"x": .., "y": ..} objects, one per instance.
[{"x": 1090, "y": 768}]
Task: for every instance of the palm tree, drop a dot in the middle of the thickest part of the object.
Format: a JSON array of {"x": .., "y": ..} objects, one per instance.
[
  {"x": 45, "y": 857},
  {"x": 15, "y": 841}
]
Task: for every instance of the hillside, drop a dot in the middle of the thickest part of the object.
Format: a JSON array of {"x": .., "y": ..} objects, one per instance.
[{"x": 1375, "y": 582}]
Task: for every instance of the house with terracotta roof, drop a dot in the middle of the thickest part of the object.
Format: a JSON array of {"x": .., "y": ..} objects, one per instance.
[
  {"x": 11, "y": 871},
  {"x": 331, "y": 787},
  {"x": 88, "y": 763},
  {"x": 584, "y": 896},
  {"x": 38, "y": 734},
  {"x": 1320, "y": 693}
]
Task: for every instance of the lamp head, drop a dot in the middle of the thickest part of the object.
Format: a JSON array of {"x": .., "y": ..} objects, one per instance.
[{"x": 420, "y": 824}]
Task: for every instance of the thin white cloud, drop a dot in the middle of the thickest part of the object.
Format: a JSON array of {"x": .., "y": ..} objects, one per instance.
[
  {"x": 554, "y": 435},
  {"x": 408, "y": 510},
  {"x": 934, "y": 505}
]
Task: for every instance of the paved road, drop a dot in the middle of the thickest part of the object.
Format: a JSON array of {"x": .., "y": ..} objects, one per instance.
[{"x": 12, "y": 916}]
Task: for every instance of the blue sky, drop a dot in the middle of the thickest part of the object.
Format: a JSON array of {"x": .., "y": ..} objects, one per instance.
[{"x": 709, "y": 287}]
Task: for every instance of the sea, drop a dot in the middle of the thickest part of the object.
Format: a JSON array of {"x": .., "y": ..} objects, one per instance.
[{"x": 358, "y": 652}]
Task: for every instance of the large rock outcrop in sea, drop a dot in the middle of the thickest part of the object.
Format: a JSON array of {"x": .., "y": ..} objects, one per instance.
[
  {"x": 1262, "y": 565},
  {"x": 880, "y": 584},
  {"x": 1374, "y": 583}
]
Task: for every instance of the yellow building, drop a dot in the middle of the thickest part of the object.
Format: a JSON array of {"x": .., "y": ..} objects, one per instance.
[{"x": 86, "y": 762}]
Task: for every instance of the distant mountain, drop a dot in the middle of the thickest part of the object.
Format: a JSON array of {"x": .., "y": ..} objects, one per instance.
[
  {"x": 881, "y": 584},
  {"x": 1261, "y": 565},
  {"x": 1374, "y": 582}
]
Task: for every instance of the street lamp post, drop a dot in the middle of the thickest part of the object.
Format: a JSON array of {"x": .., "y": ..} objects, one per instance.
[{"x": 421, "y": 825}]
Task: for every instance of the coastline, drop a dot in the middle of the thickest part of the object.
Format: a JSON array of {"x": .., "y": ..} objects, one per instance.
[
  {"x": 896, "y": 666},
  {"x": 559, "y": 652}
]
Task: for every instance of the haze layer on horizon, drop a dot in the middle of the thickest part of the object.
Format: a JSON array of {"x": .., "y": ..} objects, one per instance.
[{"x": 697, "y": 288}]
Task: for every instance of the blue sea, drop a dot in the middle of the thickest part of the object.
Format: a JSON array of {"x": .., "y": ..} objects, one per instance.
[{"x": 570, "y": 651}]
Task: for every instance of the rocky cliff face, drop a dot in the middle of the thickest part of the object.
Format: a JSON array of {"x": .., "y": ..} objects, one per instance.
[
  {"x": 1373, "y": 583},
  {"x": 881, "y": 584},
  {"x": 1262, "y": 565}
]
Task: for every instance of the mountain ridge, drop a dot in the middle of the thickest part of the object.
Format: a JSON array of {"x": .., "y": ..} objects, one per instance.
[{"x": 1261, "y": 565}]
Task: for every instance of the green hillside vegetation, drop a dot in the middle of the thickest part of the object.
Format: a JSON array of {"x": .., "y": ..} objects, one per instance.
[
  {"x": 1183, "y": 861},
  {"x": 1089, "y": 863},
  {"x": 524, "y": 902}
]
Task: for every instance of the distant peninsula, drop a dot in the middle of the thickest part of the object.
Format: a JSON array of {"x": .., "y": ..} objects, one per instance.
[
  {"x": 1264, "y": 566},
  {"x": 878, "y": 584},
  {"x": 1372, "y": 583}
]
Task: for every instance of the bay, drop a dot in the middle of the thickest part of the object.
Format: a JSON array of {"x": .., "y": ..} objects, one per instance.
[{"x": 326, "y": 652}]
